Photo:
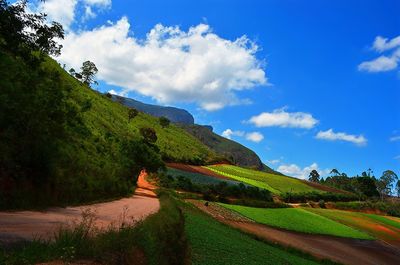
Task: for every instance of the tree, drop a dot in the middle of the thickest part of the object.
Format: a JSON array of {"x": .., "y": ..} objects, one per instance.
[
  {"x": 164, "y": 122},
  {"x": 72, "y": 72},
  {"x": 385, "y": 183},
  {"x": 89, "y": 70},
  {"x": 314, "y": 176},
  {"x": 132, "y": 113},
  {"x": 334, "y": 172},
  {"x": 41, "y": 36},
  {"x": 149, "y": 135},
  {"x": 398, "y": 188}
]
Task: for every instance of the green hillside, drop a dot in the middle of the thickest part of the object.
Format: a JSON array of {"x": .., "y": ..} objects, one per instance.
[{"x": 64, "y": 143}]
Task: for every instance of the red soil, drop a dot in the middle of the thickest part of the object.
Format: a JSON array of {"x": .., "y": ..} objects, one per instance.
[
  {"x": 27, "y": 225},
  {"x": 343, "y": 250}
]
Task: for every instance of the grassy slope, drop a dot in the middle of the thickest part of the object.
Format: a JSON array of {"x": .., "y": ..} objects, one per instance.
[
  {"x": 377, "y": 226},
  {"x": 298, "y": 220},
  {"x": 213, "y": 243},
  {"x": 275, "y": 183}
]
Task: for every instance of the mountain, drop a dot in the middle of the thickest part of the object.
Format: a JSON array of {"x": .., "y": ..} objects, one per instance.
[
  {"x": 175, "y": 115},
  {"x": 234, "y": 152}
]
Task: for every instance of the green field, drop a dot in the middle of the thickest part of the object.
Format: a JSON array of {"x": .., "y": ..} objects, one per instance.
[
  {"x": 198, "y": 178},
  {"x": 376, "y": 225},
  {"x": 213, "y": 243},
  {"x": 275, "y": 183},
  {"x": 299, "y": 220}
]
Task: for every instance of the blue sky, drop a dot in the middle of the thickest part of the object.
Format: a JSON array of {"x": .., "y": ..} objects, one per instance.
[{"x": 324, "y": 73}]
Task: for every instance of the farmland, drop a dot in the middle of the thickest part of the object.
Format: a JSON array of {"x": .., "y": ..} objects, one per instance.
[
  {"x": 213, "y": 243},
  {"x": 196, "y": 177},
  {"x": 275, "y": 183},
  {"x": 299, "y": 220},
  {"x": 376, "y": 225}
]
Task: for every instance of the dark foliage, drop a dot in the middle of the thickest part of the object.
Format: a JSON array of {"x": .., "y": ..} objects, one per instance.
[
  {"x": 164, "y": 122},
  {"x": 317, "y": 196},
  {"x": 149, "y": 135}
]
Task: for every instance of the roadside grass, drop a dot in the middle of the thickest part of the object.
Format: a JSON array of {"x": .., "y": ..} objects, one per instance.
[
  {"x": 377, "y": 226},
  {"x": 275, "y": 183},
  {"x": 299, "y": 220},
  {"x": 214, "y": 243},
  {"x": 159, "y": 239}
]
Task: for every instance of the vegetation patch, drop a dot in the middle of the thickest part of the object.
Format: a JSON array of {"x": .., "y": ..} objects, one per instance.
[
  {"x": 213, "y": 243},
  {"x": 277, "y": 184},
  {"x": 299, "y": 220}
]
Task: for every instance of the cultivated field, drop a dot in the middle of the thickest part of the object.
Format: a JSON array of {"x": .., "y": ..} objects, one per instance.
[
  {"x": 275, "y": 183},
  {"x": 300, "y": 220}
]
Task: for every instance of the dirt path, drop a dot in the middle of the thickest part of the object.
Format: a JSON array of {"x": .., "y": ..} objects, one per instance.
[
  {"x": 343, "y": 250},
  {"x": 27, "y": 225}
]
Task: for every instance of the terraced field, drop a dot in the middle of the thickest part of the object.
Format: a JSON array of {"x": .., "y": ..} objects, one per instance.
[
  {"x": 275, "y": 183},
  {"x": 215, "y": 243},
  {"x": 299, "y": 220},
  {"x": 382, "y": 227}
]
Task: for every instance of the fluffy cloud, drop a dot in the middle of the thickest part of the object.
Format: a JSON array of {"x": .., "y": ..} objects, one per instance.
[
  {"x": 65, "y": 11},
  {"x": 62, "y": 11},
  {"x": 251, "y": 136},
  {"x": 169, "y": 65},
  {"x": 341, "y": 136},
  {"x": 294, "y": 170},
  {"x": 281, "y": 118},
  {"x": 394, "y": 138},
  {"x": 228, "y": 133},
  {"x": 254, "y": 137},
  {"x": 386, "y": 62}
]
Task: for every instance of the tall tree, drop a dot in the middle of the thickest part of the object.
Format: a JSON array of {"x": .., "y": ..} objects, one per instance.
[
  {"x": 314, "y": 176},
  {"x": 89, "y": 70},
  {"x": 385, "y": 183},
  {"x": 334, "y": 172}
]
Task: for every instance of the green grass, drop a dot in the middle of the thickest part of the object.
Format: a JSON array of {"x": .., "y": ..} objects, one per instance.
[
  {"x": 393, "y": 221},
  {"x": 213, "y": 243},
  {"x": 299, "y": 220},
  {"x": 275, "y": 183},
  {"x": 197, "y": 178}
]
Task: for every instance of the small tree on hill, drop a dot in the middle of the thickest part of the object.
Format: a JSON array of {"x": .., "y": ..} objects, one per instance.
[
  {"x": 149, "y": 135},
  {"x": 385, "y": 183},
  {"x": 89, "y": 70},
  {"x": 314, "y": 176},
  {"x": 164, "y": 122},
  {"x": 398, "y": 188},
  {"x": 132, "y": 113}
]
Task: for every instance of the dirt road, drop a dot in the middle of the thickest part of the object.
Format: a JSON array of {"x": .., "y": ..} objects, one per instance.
[
  {"x": 26, "y": 225},
  {"x": 343, "y": 250}
]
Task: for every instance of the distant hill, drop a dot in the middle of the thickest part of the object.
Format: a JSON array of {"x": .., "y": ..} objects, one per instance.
[
  {"x": 231, "y": 150},
  {"x": 175, "y": 115}
]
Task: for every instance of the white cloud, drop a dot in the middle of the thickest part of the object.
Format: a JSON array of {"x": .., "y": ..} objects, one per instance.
[
  {"x": 383, "y": 63},
  {"x": 62, "y": 11},
  {"x": 341, "y": 136},
  {"x": 251, "y": 136},
  {"x": 294, "y": 170},
  {"x": 394, "y": 138},
  {"x": 380, "y": 64},
  {"x": 274, "y": 161},
  {"x": 104, "y": 3},
  {"x": 383, "y": 44},
  {"x": 169, "y": 65},
  {"x": 281, "y": 118},
  {"x": 228, "y": 133},
  {"x": 254, "y": 137},
  {"x": 89, "y": 13}
]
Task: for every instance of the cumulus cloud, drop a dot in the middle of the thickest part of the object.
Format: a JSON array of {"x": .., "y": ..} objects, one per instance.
[
  {"x": 281, "y": 118},
  {"x": 330, "y": 135},
  {"x": 294, "y": 170},
  {"x": 251, "y": 136},
  {"x": 170, "y": 65},
  {"x": 254, "y": 137},
  {"x": 383, "y": 63},
  {"x": 62, "y": 11},
  {"x": 394, "y": 138},
  {"x": 228, "y": 133},
  {"x": 104, "y": 3}
]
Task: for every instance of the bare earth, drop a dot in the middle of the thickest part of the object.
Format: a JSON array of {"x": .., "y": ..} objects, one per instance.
[
  {"x": 27, "y": 225},
  {"x": 342, "y": 250}
]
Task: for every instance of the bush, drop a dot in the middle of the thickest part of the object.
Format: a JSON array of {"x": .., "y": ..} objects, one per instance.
[
  {"x": 316, "y": 196},
  {"x": 321, "y": 204},
  {"x": 390, "y": 208}
]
